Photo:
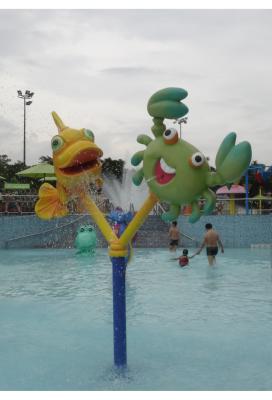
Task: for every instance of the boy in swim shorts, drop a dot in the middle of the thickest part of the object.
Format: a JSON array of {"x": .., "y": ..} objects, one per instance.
[
  {"x": 174, "y": 236},
  {"x": 211, "y": 240}
]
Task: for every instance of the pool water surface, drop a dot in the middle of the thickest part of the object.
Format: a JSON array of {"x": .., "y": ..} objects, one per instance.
[{"x": 192, "y": 328}]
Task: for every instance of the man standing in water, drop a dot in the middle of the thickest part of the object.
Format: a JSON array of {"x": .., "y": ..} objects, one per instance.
[
  {"x": 174, "y": 236},
  {"x": 211, "y": 240}
]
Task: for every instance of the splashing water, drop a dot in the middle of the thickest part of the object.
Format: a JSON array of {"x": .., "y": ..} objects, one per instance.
[{"x": 125, "y": 194}]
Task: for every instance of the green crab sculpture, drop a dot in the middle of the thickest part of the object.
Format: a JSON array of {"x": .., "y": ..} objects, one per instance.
[{"x": 176, "y": 171}]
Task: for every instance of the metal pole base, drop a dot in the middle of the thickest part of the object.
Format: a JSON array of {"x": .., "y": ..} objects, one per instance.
[{"x": 119, "y": 310}]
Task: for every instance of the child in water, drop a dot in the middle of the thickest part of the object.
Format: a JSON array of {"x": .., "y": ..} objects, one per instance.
[{"x": 183, "y": 259}]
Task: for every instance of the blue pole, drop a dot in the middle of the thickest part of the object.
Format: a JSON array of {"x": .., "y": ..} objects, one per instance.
[
  {"x": 119, "y": 310},
  {"x": 246, "y": 180}
]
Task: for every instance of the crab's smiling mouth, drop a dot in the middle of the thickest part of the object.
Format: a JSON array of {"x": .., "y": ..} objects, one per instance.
[{"x": 163, "y": 172}]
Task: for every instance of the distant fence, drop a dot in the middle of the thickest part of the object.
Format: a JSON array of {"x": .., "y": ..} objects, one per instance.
[
  {"x": 24, "y": 204},
  {"x": 17, "y": 204}
]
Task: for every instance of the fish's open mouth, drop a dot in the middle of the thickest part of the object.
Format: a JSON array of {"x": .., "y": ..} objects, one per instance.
[
  {"x": 83, "y": 162},
  {"x": 163, "y": 172}
]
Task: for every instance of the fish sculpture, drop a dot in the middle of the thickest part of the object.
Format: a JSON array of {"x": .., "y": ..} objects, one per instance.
[{"x": 77, "y": 163}]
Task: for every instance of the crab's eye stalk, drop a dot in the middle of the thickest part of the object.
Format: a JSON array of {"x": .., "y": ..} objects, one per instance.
[
  {"x": 89, "y": 134},
  {"x": 56, "y": 143},
  {"x": 170, "y": 136},
  {"x": 197, "y": 160}
]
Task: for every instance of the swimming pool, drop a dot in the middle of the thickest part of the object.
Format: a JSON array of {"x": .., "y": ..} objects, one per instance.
[{"x": 193, "y": 328}]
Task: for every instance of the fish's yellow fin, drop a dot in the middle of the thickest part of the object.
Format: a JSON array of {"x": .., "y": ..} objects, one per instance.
[
  {"x": 49, "y": 204},
  {"x": 60, "y": 125}
]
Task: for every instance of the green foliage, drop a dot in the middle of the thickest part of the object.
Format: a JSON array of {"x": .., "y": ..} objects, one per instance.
[
  {"x": 46, "y": 159},
  {"x": 113, "y": 168},
  {"x": 4, "y": 163},
  {"x": 8, "y": 170}
]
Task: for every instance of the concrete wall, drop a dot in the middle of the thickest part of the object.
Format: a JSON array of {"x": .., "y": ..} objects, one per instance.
[
  {"x": 31, "y": 232},
  {"x": 236, "y": 231}
]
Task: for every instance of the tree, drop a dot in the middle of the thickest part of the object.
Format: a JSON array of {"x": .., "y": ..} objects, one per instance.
[
  {"x": 4, "y": 161},
  {"x": 13, "y": 169},
  {"x": 113, "y": 168},
  {"x": 46, "y": 159}
]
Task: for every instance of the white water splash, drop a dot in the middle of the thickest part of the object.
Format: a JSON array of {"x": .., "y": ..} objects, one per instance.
[{"x": 125, "y": 194}]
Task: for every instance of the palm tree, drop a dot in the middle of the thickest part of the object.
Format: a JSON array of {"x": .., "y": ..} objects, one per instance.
[{"x": 46, "y": 159}]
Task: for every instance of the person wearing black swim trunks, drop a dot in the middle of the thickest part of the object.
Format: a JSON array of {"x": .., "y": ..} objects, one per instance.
[
  {"x": 212, "y": 251},
  {"x": 174, "y": 236},
  {"x": 211, "y": 240}
]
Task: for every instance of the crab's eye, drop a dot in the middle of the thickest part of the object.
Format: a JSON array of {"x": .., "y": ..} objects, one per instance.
[
  {"x": 90, "y": 229},
  {"x": 57, "y": 142},
  {"x": 89, "y": 134},
  {"x": 81, "y": 230},
  {"x": 170, "y": 136},
  {"x": 197, "y": 160}
]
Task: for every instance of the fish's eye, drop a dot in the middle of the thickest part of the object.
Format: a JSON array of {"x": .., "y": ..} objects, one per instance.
[
  {"x": 197, "y": 159},
  {"x": 57, "y": 142},
  {"x": 170, "y": 136},
  {"x": 89, "y": 134}
]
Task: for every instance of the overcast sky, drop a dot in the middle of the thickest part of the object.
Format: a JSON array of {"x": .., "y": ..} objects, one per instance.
[{"x": 97, "y": 69}]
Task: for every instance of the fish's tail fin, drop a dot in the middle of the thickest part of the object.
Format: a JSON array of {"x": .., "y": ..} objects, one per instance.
[{"x": 49, "y": 204}]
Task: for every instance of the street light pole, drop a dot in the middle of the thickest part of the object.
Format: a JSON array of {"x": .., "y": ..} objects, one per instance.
[
  {"x": 28, "y": 95},
  {"x": 181, "y": 121},
  {"x": 24, "y": 159}
]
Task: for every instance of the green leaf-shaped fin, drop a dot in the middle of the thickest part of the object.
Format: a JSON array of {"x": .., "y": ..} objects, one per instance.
[{"x": 166, "y": 103}]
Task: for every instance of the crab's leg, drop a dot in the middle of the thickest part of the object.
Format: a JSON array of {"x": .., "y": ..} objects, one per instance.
[
  {"x": 210, "y": 198},
  {"x": 137, "y": 158},
  {"x": 144, "y": 139},
  {"x": 172, "y": 214},
  {"x": 195, "y": 212},
  {"x": 138, "y": 177}
]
